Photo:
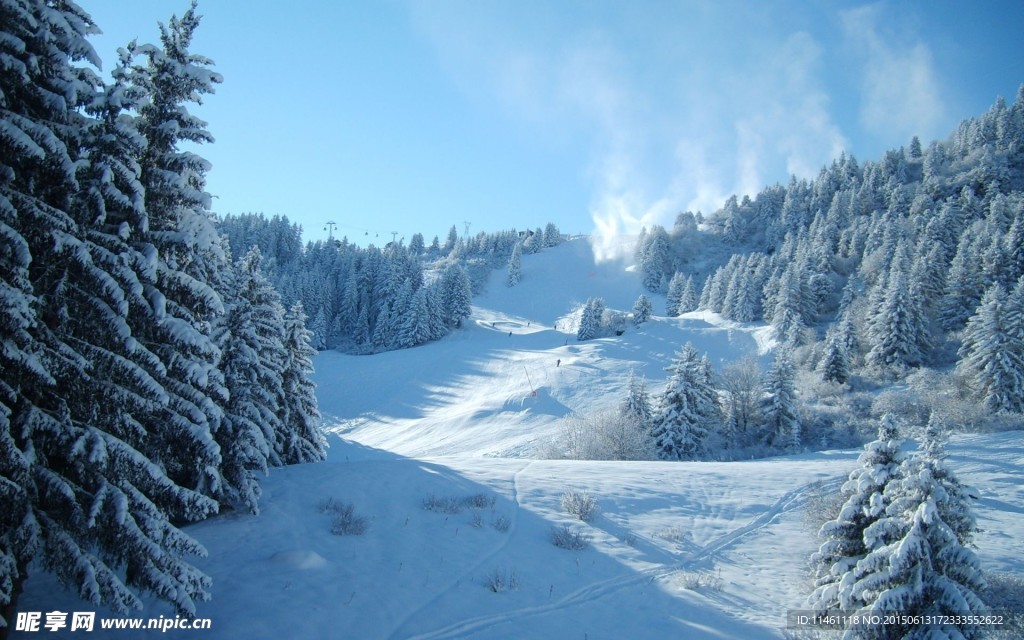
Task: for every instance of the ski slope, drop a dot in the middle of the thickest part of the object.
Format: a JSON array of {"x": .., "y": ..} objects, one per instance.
[
  {"x": 679, "y": 550},
  {"x": 500, "y": 384}
]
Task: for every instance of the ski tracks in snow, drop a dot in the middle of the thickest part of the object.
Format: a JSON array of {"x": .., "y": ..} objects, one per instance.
[
  {"x": 787, "y": 502},
  {"x": 472, "y": 571}
]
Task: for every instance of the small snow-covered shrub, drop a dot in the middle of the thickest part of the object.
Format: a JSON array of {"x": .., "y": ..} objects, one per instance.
[
  {"x": 452, "y": 504},
  {"x": 344, "y": 521},
  {"x": 500, "y": 580},
  {"x": 501, "y": 524},
  {"x": 673, "y": 534},
  {"x": 905, "y": 404},
  {"x": 479, "y": 501},
  {"x": 442, "y": 504},
  {"x": 693, "y": 580},
  {"x": 572, "y": 539},
  {"x": 581, "y": 504},
  {"x": 601, "y": 435},
  {"x": 476, "y": 520}
]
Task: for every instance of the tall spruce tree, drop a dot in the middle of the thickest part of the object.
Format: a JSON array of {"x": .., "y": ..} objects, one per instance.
[
  {"x": 779, "y": 404},
  {"x": 301, "y": 438},
  {"x": 642, "y": 310},
  {"x": 181, "y": 231},
  {"x": 95, "y": 511},
  {"x": 637, "y": 404},
  {"x": 918, "y": 564},
  {"x": 844, "y": 546},
  {"x": 675, "y": 294},
  {"x": 897, "y": 328},
  {"x": 992, "y": 355},
  {"x": 591, "y": 319},
  {"x": 688, "y": 407},
  {"x": 835, "y": 363},
  {"x": 515, "y": 265},
  {"x": 456, "y": 295}
]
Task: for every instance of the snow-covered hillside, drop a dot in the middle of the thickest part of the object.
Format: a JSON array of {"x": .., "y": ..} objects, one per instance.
[
  {"x": 501, "y": 383},
  {"x": 679, "y": 550}
]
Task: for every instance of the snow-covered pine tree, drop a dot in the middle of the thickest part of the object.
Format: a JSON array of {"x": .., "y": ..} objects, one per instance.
[
  {"x": 96, "y": 511},
  {"x": 245, "y": 439},
  {"x": 779, "y": 404},
  {"x": 435, "y": 312},
  {"x": 675, "y": 294},
  {"x": 451, "y": 240},
  {"x": 301, "y": 438},
  {"x": 918, "y": 564},
  {"x": 688, "y": 300},
  {"x": 835, "y": 363},
  {"x": 685, "y": 409},
  {"x": 181, "y": 232},
  {"x": 36, "y": 180},
  {"x": 642, "y": 310},
  {"x": 415, "y": 327},
  {"x": 955, "y": 506},
  {"x": 1013, "y": 318},
  {"x": 654, "y": 263},
  {"x": 992, "y": 356},
  {"x": 844, "y": 546},
  {"x": 637, "y": 404},
  {"x": 897, "y": 328},
  {"x": 591, "y": 319},
  {"x": 787, "y": 317},
  {"x": 456, "y": 295},
  {"x": 515, "y": 265},
  {"x": 964, "y": 286},
  {"x": 552, "y": 236}
]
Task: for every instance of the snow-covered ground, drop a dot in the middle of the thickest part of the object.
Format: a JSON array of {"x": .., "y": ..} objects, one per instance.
[{"x": 679, "y": 550}]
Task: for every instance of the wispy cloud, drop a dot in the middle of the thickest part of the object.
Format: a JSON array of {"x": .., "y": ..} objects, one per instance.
[
  {"x": 669, "y": 129},
  {"x": 900, "y": 86}
]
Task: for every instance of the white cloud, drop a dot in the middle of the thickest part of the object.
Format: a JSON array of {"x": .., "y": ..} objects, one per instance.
[
  {"x": 668, "y": 130},
  {"x": 900, "y": 86}
]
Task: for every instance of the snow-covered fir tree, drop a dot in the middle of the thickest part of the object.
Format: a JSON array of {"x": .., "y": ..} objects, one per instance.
[
  {"x": 835, "y": 363},
  {"x": 675, "y": 294},
  {"x": 897, "y": 328},
  {"x": 992, "y": 355},
  {"x": 182, "y": 233},
  {"x": 844, "y": 545},
  {"x": 778, "y": 406},
  {"x": 98, "y": 510},
  {"x": 655, "y": 259},
  {"x": 456, "y": 295},
  {"x": 246, "y": 434},
  {"x": 415, "y": 327},
  {"x": 552, "y": 236},
  {"x": 918, "y": 564},
  {"x": 515, "y": 266},
  {"x": 591, "y": 319},
  {"x": 686, "y": 410},
  {"x": 301, "y": 438},
  {"x": 642, "y": 309},
  {"x": 637, "y": 404},
  {"x": 688, "y": 300}
]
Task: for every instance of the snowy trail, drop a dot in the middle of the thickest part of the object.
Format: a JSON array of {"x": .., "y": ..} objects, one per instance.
[
  {"x": 787, "y": 502},
  {"x": 790, "y": 500}
]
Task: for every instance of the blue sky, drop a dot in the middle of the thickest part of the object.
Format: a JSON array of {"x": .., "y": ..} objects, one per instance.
[{"x": 405, "y": 116}]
